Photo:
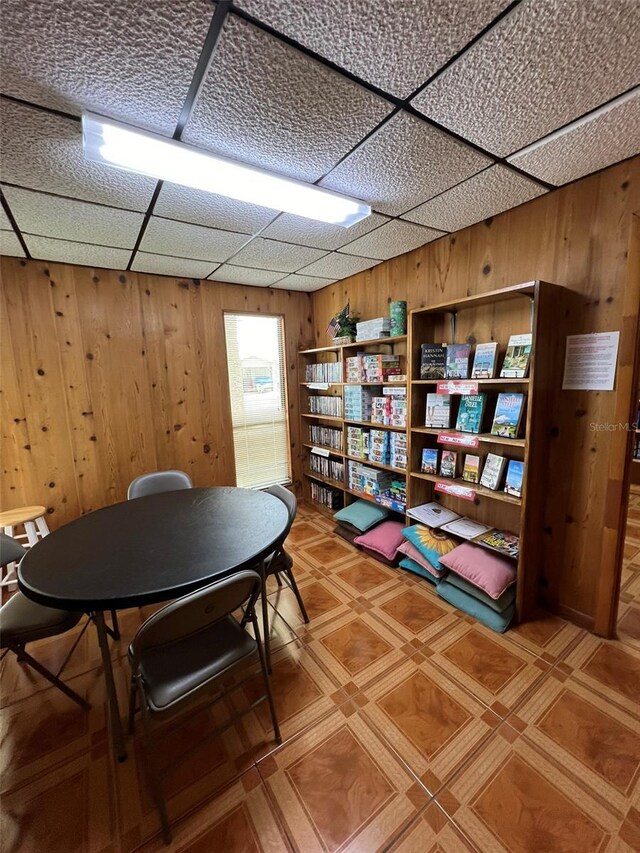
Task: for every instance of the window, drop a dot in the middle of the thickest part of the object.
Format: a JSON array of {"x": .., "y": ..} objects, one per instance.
[{"x": 255, "y": 361}]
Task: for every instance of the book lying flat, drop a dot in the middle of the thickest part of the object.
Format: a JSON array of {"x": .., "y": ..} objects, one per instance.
[
  {"x": 501, "y": 541},
  {"x": 432, "y": 514},
  {"x": 466, "y": 528}
]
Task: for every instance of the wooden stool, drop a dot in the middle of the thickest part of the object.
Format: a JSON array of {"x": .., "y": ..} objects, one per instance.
[{"x": 32, "y": 519}]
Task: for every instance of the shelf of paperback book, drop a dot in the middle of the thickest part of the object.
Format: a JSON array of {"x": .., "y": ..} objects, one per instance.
[
  {"x": 376, "y": 426},
  {"x": 367, "y": 461},
  {"x": 480, "y": 491},
  {"x": 332, "y": 418},
  {"x": 485, "y": 382},
  {"x": 466, "y": 439},
  {"x": 376, "y": 342},
  {"x": 332, "y": 451},
  {"x": 371, "y": 498},
  {"x": 336, "y": 484}
]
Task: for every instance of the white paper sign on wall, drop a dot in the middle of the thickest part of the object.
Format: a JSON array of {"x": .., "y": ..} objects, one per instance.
[{"x": 590, "y": 362}]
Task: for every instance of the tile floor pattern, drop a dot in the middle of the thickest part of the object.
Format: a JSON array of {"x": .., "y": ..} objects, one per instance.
[{"x": 406, "y": 726}]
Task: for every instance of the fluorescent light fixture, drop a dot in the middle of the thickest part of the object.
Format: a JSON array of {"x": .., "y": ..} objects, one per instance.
[{"x": 115, "y": 144}]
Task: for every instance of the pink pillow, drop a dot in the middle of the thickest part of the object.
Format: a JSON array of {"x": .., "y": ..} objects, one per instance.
[
  {"x": 411, "y": 551},
  {"x": 488, "y": 571},
  {"x": 384, "y": 538}
]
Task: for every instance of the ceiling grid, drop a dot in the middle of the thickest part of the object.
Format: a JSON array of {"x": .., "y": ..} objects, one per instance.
[{"x": 437, "y": 113}]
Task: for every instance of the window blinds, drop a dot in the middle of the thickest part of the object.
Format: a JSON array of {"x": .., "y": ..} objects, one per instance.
[{"x": 255, "y": 359}]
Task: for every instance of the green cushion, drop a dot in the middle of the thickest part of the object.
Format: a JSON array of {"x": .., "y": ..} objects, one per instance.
[
  {"x": 497, "y": 604},
  {"x": 469, "y": 604},
  {"x": 411, "y": 566},
  {"x": 362, "y": 514}
]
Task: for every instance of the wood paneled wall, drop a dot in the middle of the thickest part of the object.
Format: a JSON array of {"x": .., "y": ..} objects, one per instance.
[
  {"x": 578, "y": 236},
  {"x": 106, "y": 375}
]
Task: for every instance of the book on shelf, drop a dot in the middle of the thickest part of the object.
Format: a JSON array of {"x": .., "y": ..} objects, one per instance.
[
  {"x": 471, "y": 469},
  {"x": 508, "y": 415},
  {"x": 465, "y": 528},
  {"x": 492, "y": 471},
  {"x": 485, "y": 361},
  {"x": 458, "y": 361},
  {"x": 438, "y": 411},
  {"x": 513, "y": 480},
  {"x": 516, "y": 359},
  {"x": 430, "y": 460},
  {"x": 502, "y": 541},
  {"x": 432, "y": 514},
  {"x": 470, "y": 412},
  {"x": 433, "y": 361},
  {"x": 449, "y": 464}
]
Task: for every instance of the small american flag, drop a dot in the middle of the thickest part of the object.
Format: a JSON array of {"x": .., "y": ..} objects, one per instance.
[{"x": 335, "y": 322}]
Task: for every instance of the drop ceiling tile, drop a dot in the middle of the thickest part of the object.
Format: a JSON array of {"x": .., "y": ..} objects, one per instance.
[
  {"x": 5, "y": 222},
  {"x": 486, "y": 194},
  {"x": 319, "y": 235},
  {"x": 214, "y": 211},
  {"x": 336, "y": 266},
  {"x": 68, "y": 219},
  {"x": 268, "y": 104},
  {"x": 610, "y": 134},
  {"x": 10, "y": 245},
  {"x": 182, "y": 240},
  {"x": 396, "y": 48},
  {"x": 306, "y": 283},
  {"x": 44, "y": 152},
  {"x": 403, "y": 164},
  {"x": 132, "y": 61},
  {"x": 544, "y": 64},
  {"x": 164, "y": 265},
  {"x": 394, "y": 238},
  {"x": 67, "y": 252},
  {"x": 274, "y": 255},
  {"x": 244, "y": 275}
]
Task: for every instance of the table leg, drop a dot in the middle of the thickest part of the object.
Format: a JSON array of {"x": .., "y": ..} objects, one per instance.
[
  {"x": 112, "y": 699},
  {"x": 265, "y": 616}
]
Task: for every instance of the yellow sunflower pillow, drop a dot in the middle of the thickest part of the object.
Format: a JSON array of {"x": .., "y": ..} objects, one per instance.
[{"x": 432, "y": 544}]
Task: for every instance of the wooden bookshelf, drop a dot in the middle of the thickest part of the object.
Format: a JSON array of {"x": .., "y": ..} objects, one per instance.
[
  {"x": 494, "y": 316},
  {"x": 333, "y": 354}
]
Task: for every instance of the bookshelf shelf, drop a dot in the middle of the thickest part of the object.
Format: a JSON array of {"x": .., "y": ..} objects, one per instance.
[
  {"x": 481, "y": 491},
  {"x": 534, "y": 307},
  {"x": 483, "y": 382},
  {"x": 397, "y": 339},
  {"x": 332, "y": 450},
  {"x": 332, "y": 355},
  {"x": 485, "y": 437},
  {"x": 374, "y": 425},
  {"x": 338, "y": 484},
  {"x": 331, "y": 418},
  {"x": 380, "y": 465}
]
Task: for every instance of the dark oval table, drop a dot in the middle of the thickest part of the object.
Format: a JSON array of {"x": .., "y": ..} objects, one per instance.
[{"x": 149, "y": 550}]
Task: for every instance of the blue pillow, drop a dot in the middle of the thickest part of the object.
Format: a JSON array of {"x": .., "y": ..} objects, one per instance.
[
  {"x": 497, "y": 604},
  {"x": 432, "y": 544},
  {"x": 362, "y": 514},
  {"x": 411, "y": 566},
  {"x": 469, "y": 604}
]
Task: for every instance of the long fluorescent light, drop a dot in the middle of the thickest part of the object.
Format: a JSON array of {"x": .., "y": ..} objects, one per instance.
[{"x": 115, "y": 144}]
